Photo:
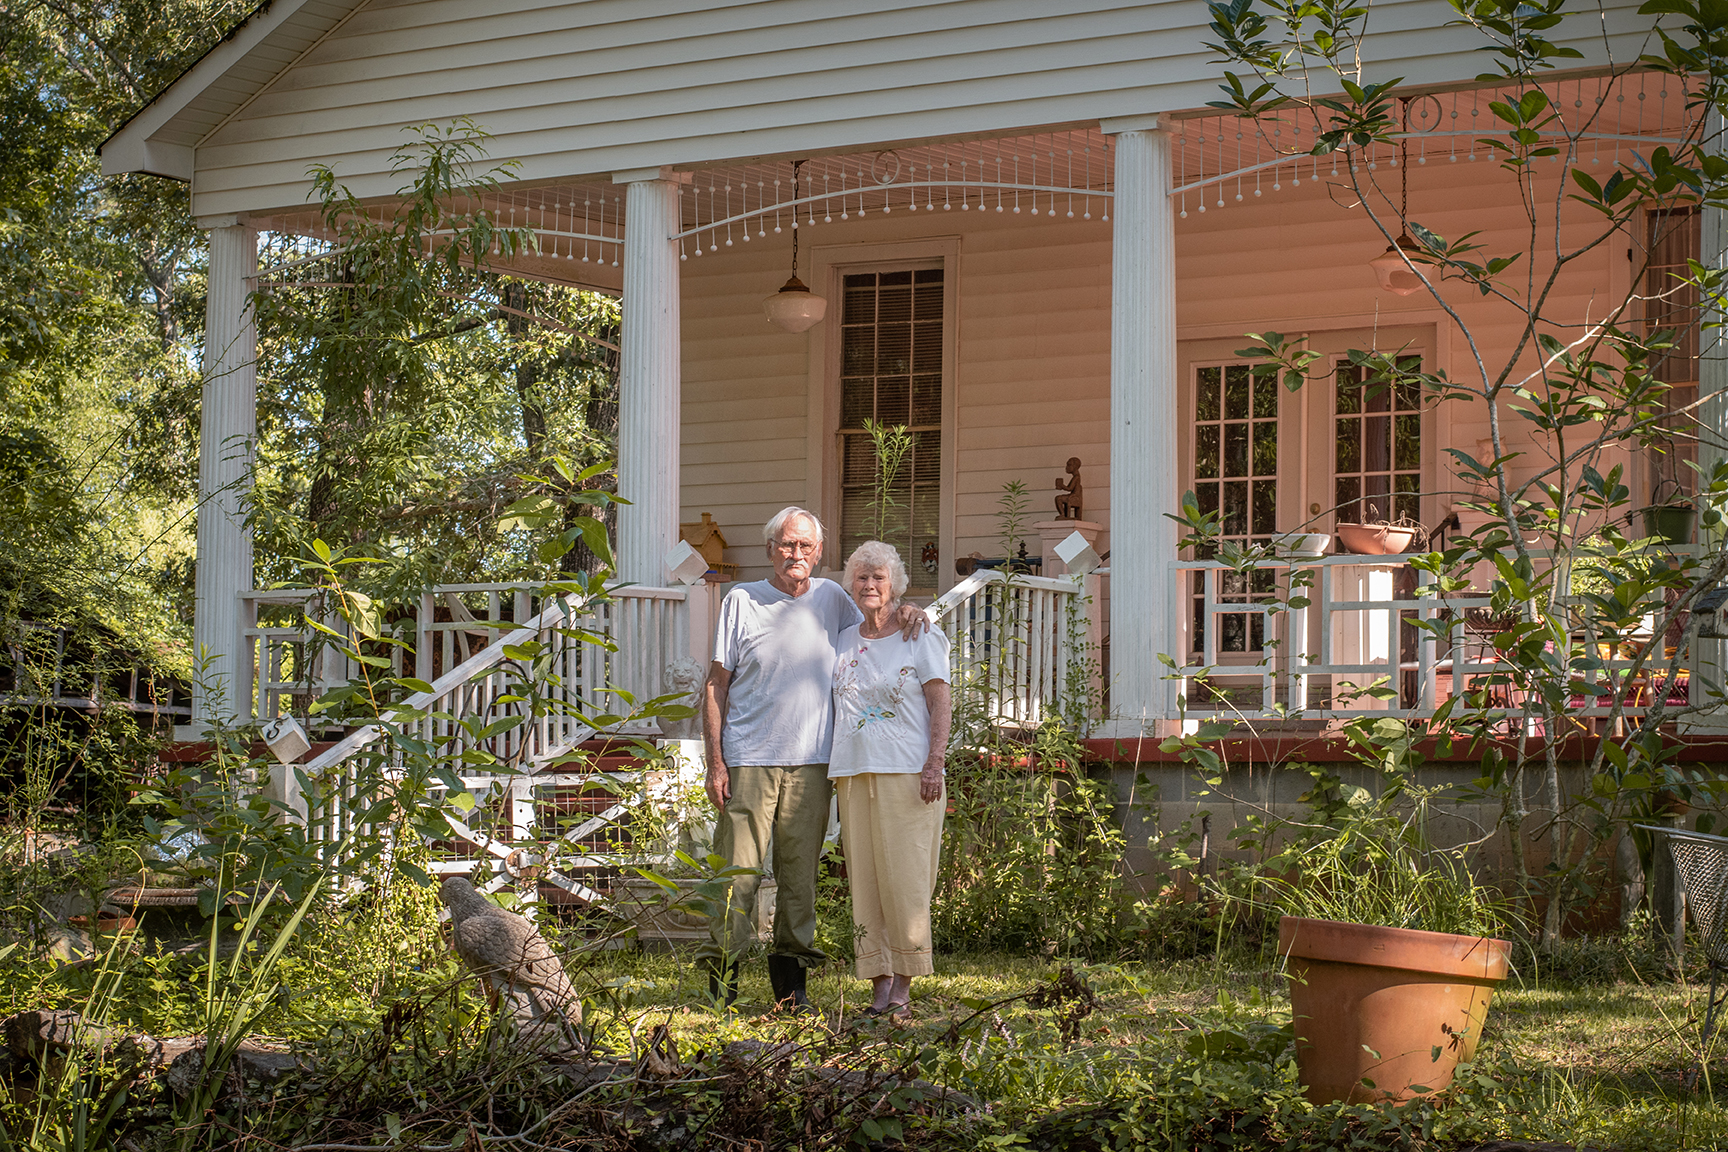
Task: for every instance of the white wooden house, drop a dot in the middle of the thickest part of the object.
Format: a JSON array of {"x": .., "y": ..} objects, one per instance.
[{"x": 1035, "y": 240}]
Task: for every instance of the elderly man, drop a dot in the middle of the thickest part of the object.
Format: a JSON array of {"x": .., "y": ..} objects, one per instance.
[{"x": 768, "y": 722}]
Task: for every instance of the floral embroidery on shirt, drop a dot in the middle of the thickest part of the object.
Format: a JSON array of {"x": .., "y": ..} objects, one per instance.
[{"x": 877, "y": 702}]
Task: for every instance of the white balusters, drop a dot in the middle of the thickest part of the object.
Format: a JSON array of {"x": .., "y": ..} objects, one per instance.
[
  {"x": 1359, "y": 630},
  {"x": 1008, "y": 641}
]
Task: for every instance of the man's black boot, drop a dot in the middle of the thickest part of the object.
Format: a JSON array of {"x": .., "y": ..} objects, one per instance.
[
  {"x": 723, "y": 985},
  {"x": 787, "y": 977}
]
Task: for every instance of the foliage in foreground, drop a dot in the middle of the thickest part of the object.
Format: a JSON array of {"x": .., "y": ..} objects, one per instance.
[{"x": 1052, "y": 1057}]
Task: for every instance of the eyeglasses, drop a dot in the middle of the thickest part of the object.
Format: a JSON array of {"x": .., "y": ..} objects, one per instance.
[{"x": 796, "y": 548}]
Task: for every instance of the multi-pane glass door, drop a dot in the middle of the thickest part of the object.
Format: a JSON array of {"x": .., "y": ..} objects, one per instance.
[
  {"x": 1235, "y": 454},
  {"x": 1376, "y": 446},
  {"x": 1377, "y": 463},
  {"x": 1267, "y": 461}
]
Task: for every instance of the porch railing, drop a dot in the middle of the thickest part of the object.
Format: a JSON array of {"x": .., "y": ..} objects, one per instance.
[
  {"x": 37, "y": 669},
  {"x": 1249, "y": 656},
  {"x": 1011, "y": 641},
  {"x": 286, "y": 665},
  {"x": 648, "y": 626}
]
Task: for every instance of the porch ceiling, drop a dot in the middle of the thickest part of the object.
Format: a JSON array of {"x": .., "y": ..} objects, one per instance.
[{"x": 1040, "y": 176}]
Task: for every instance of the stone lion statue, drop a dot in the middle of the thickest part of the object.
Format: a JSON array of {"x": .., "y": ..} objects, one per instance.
[{"x": 685, "y": 677}]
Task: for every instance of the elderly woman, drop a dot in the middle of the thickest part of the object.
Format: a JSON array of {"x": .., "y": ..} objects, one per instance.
[{"x": 891, "y": 717}]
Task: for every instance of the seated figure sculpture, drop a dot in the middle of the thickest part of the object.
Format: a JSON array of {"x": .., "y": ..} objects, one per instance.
[{"x": 1069, "y": 505}]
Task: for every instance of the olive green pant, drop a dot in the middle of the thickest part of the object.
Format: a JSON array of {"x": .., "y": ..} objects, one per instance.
[{"x": 788, "y": 805}]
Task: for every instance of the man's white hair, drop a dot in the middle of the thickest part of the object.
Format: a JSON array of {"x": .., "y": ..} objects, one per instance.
[
  {"x": 877, "y": 554},
  {"x": 771, "y": 530}
]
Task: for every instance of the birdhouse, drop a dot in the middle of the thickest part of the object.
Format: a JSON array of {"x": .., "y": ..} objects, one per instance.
[
  {"x": 1707, "y": 610},
  {"x": 705, "y": 537}
]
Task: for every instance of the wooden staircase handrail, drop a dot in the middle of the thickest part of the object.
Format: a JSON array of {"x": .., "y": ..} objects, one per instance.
[
  {"x": 487, "y": 657},
  {"x": 952, "y": 599}
]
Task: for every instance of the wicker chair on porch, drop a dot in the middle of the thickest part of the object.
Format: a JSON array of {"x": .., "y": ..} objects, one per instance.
[{"x": 1702, "y": 864}]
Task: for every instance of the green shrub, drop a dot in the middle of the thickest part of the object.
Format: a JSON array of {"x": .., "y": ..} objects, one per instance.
[{"x": 1032, "y": 853}]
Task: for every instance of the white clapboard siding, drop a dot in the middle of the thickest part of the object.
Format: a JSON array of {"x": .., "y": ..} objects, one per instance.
[
  {"x": 585, "y": 89},
  {"x": 1034, "y": 371},
  {"x": 744, "y": 408}
]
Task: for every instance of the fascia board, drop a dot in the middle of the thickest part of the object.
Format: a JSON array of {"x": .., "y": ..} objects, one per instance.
[{"x": 152, "y": 157}]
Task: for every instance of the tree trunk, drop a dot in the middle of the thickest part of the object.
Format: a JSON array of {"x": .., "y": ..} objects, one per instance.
[
  {"x": 600, "y": 415},
  {"x": 527, "y": 370}
]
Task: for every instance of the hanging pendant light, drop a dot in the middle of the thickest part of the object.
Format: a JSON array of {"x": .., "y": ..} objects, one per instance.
[
  {"x": 1394, "y": 268},
  {"x": 795, "y": 308}
]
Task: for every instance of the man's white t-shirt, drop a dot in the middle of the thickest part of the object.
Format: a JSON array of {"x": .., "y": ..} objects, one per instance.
[
  {"x": 881, "y": 722},
  {"x": 780, "y": 651}
]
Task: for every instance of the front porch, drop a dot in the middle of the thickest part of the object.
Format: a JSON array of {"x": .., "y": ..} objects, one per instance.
[{"x": 1017, "y": 301}]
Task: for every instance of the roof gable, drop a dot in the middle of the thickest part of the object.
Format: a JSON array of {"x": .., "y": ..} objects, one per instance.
[{"x": 161, "y": 137}]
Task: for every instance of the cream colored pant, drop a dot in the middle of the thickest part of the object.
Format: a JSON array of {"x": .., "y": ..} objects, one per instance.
[{"x": 893, "y": 841}]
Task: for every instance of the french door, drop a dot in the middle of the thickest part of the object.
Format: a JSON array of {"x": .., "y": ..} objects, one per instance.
[{"x": 1344, "y": 448}]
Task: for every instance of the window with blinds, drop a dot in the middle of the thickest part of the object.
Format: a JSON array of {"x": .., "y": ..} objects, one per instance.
[
  {"x": 1672, "y": 304},
  {"x": 891, "y": 372}
]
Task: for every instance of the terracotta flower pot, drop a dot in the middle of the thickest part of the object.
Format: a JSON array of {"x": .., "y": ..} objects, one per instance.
[
  {"x": 1385, "y": 1013},
  {"x": 1375, "y": 539}
]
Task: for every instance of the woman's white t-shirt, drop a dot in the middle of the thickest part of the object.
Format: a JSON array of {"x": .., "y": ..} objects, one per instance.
[{"x": 881, "y": 722}]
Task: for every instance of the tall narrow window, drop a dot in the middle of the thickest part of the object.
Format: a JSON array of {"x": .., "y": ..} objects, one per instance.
[
  {"x": 1672, "y": 304},
  {"x": 891, "y": 372},
  {"x": 1236, "y": 474},
  {"x": 1377, "y": 447}
]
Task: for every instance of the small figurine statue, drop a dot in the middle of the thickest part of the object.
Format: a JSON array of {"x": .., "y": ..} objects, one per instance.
[{"x": 1068, "y": 504}]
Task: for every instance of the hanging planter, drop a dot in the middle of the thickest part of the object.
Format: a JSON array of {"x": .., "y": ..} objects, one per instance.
[
  {"x": 1385, "y": 1013},
  {"x": 1672, "y": 521},
  {"x": 1301, "y": 545},
  {"x": 1376, "y": 539}
]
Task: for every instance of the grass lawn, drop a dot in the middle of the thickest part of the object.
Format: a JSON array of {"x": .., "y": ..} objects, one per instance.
[{"x": 1601, "y": 1065}]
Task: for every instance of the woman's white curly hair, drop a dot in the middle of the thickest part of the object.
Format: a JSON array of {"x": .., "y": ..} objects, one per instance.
[{"x": 876, "y": 554}]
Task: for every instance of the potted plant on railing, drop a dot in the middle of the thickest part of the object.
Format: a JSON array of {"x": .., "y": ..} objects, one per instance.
[
  {"x": 1380, "y": 538},
  {"x": 1389, "y": 947}
]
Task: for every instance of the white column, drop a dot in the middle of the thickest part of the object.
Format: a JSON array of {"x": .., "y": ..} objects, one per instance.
[
  {"x": 228, "y": 422},
  {"x": 1144, "y": 485},
  {"x": 650, "y": 353},
  {"x": 1710, "y": 657}
]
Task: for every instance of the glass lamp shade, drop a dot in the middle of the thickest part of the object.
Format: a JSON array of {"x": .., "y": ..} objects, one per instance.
[
  {"x": 795, "y": 308},
  {"x": 1392, "y": 267}
]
